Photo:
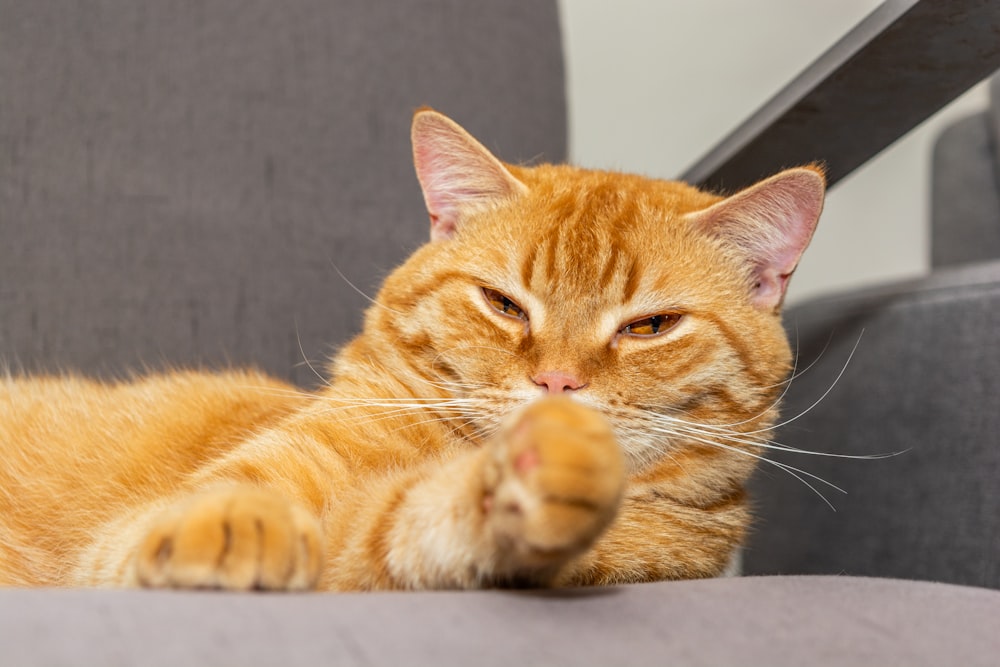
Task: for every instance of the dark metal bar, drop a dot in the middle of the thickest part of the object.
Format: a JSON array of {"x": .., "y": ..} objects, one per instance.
[{"x": 895, "y": 69}]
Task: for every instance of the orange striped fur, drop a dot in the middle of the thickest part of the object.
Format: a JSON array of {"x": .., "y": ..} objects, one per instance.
[{"x": 567, "y": 385}]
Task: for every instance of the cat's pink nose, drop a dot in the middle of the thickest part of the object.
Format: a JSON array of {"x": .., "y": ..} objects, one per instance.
[{"x": 557, "y": 382}]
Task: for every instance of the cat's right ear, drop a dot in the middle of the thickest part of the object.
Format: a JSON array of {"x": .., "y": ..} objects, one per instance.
[{"x": 457, "y": 174}]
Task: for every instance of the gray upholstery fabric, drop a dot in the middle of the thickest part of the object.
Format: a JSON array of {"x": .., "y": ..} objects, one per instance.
[
  {"x": 925, "y": 381},
  {"x": 993, "y": 112},
  {"x": 181, "y": 182},
  {"x": 965, "y": 200},
  {"x": 965, "y": 188},
  {"x": 770, "y": 622}
]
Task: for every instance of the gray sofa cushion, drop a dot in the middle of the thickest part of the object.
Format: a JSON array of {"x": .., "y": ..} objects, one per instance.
[
  {"x": 754, "y": 621},
  {"x": 924, "y": 381},
  {"x": 993, "y": 113},
  {"x": 965, "y": 188},
  {"x": 965, "y": 200},
  {"x": 181, "y": 182}
]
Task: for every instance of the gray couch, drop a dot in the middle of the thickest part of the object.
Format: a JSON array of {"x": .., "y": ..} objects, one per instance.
[
  {"x": 196, "y": 182},
  {"x": 924, "y": 381}
]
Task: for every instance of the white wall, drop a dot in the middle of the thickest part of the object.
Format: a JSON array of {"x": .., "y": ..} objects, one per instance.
[{"x": 654, "y": 84}]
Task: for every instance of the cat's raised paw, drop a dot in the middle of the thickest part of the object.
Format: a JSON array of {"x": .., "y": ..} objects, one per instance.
[
  {"x": 555, "y": 484},
  {"x": 241, "y": 538}
]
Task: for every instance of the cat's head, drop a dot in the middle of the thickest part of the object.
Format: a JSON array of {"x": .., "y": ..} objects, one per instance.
[{"x": 650, "y": 300}]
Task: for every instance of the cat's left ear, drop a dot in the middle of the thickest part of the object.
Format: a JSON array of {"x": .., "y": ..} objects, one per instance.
[
  {"x": 457, "y": 174},
  {"x": 772, "y": 222}
]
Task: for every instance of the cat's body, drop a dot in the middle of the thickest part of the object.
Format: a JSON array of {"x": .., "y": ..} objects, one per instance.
[{"x": 567, "y": 386}]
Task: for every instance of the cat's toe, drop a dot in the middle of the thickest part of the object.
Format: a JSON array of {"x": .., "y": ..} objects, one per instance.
[
  {"x": 234, "y": 539},
  {"x": 557, "y": 484}
]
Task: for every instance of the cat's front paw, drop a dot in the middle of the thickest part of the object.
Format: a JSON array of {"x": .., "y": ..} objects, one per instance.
[
  {"x": 555, "y": 484},
  {"x": 241, "y": 538}
]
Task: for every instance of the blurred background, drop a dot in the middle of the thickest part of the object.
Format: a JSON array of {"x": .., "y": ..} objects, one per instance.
[{"x": 653, "y": 85}]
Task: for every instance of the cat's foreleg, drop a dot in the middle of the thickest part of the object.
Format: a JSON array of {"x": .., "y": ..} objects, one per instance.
[
  {"x": 512, "y": 512},
  {"x": 233, "y": 537}
]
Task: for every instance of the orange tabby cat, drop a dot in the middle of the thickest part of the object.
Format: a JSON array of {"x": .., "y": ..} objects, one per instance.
[{"x": 567, "y": 385}]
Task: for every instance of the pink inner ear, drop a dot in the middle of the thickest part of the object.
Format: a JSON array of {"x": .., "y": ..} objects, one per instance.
[
  {"x": 442, "y": 228},
  {"x": 773, "y": 223},
  {"x": 769, "y": 291},
  {"x": 439, "y": 197},
  {"x": 455, "y": 171}
]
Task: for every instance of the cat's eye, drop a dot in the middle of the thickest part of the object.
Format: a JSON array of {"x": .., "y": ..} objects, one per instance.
[
  {"x": 652, "y": 326},
  {"x": 504, "y": 304}
]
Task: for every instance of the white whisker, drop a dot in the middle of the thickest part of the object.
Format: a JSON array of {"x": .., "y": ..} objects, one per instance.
[
  {"x": 790, "y": 469},
  {"x": 305, "y": 359},
  {"x": 359, "y": 291},
  {"x": 829, "y": 389},
  {"x": 739, "y": 438},
  {"x": 774, "y": 404}
]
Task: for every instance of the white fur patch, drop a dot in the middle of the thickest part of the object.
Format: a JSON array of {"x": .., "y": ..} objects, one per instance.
[{"x": 735, "y": 566}]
